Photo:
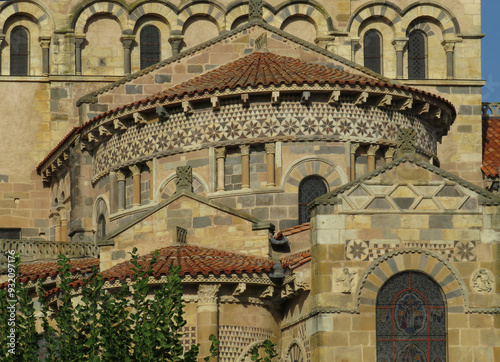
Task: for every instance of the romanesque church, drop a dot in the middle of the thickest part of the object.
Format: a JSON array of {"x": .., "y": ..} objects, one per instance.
[{"x": 324, "y": 171}]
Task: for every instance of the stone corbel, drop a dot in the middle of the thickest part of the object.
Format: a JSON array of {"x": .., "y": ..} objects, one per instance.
[
  {"x": 245, "y": 99},
  {"x": 92, "y": 137},
  {"x": 119, "y": 125},
  {"x": 187, "y": 107},
  {"x": 103, "y": 131},
  {"x": 404, "y": 104},
  {"x": 384, "y": 101},
  {"x": 268, "y": 292},
  {"x": 240, "y": 288},
  {"x": 139, "y": 118},
  {"x": 306, "y": 97},
  {"x": 422, "y": 108},
  {"x": 435, "y": 112},
  {"x": 275, "y": 98},
  {"x": 334, "y": 98},
  {"x": 360, "y": 98},
  {"x": 215, "y": 103}
]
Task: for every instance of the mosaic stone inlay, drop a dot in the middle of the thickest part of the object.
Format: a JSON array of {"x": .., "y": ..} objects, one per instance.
[
  {"x": 364, "y": 250},
  {"x": 234, "y": 124},
  {"x": 234, "y": 339}
]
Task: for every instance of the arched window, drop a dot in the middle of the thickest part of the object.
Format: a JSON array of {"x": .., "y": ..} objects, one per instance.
[
  {"x": 101, "y": 227},
  {"x": 150, "y": 46},
  {"x": 411, "y": 319},
  {"x": 19, "y": 51},
  {"x": 310, "y": 188},
  {"x": 417, "y": 55},
  {"x": 372, "y": 47}
]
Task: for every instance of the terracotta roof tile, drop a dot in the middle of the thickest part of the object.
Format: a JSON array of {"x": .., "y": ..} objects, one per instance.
[
  {"x": 32, "y": 272},
  {"x": 491, "y": 146},
  {"x": 293, "y": 230},
  {"x": 295, "y": 260},
  {"x": 194, "y": 260}
]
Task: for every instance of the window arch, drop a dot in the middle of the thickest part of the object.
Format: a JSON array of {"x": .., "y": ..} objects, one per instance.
[
  {"x": 101, "y": 227},
  {"x": 417, "y": 55},
  {"x": 411, "y": 319},
  {"x": 19, "y": 51},
  {"x": 372, "y": 49},
  {"x": 310, "y": 188},
  {"x": 150, "y": 46}
]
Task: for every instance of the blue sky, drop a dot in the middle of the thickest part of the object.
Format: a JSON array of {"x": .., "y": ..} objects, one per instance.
[{"x": 491, "y": 50}]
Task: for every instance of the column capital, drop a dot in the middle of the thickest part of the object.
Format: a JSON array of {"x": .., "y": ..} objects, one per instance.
[
  {"x": 79, "y": 39},
  {"x": 207, "y": 293},
  {"x": 127, "y": 41},
  {"x": 120, "y": 175},
  {"x": 245, "y": 150},
  {"x": 135, "y": 169},
  {"x": 449, "y": 45},
  {"x": 270, "y": 147},
  {"x": 44, "y": 41},
  {"x": 372, "y": 150},
  {"x": 220, "y": 152},
  {"x": 399, "y": 44},
  {"x": 354, "y": 147},
  {"x": 389, "y": 153}
]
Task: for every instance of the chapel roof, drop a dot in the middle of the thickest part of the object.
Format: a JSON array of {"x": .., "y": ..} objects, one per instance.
[
  {"x": 295, "y": 260},
  {"x": 491, "y": 146}
]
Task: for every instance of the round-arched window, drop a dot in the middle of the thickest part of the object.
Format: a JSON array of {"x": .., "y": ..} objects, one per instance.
[{"x": 310, "y": 188}]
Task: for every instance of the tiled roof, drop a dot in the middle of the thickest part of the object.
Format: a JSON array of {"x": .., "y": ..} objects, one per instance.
[
  {"x": 295, "y": 260},
  {"x": 293, "y": 230},
  {"x": 491, "y": 146},
  {"x": 194, "y": 260},
  {"x": 32, "y": 272}
]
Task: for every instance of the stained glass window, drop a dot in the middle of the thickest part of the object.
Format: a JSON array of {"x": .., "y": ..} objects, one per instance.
[
  {"x": 19, "y": 51},
  {"x": 417, "y": 55},
  {"x": 411, "y": 320},
  {"x": 310, "y": 188},
  {"x": 150, "y": 46},
  {"x": 372, "y": 49}
]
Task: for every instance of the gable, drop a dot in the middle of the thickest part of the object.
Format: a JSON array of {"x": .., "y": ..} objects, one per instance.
[
  {"x": 409, "y": 185},
  {"x": 209, "y": 55},
  {"x": 207, "y": 224}
]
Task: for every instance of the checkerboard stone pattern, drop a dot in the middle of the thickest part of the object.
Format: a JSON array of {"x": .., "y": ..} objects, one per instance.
[{"x": 234, "y": 339}]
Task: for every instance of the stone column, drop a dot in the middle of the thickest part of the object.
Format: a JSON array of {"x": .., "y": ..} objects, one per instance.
[
  {"x": 45, "y": 44},
  {"x": 207, "y": 317},
  {"x": 78, "y": 54},
  {"x": 220, "y": 154},
  {"x": 245, "y": 166},
  {"x": 64, "y": 224},
  {"x": 2, "y": 38},
  {"x": 399, "y": 45},
  {"x": 150, "y": 165},
  {"x": 389, "y": 154},
  {"x": 136, "y": 174},
  {"x": 449, "y": 48},
  {"x": 372, "y": 150},
  {"x": 354, "y": 148},
  {"x": 113, "y": 192},
  {"x": 120, "y": 177},
  {"x": 56, "y": 219},
  {"x": 270, "y": 152},
  {"x": 354, "y": 48},
  {"x": 127, "y": 41},
  {"x": 175, "y": 41}
]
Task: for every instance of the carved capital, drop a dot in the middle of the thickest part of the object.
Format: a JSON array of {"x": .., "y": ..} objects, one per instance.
[
  {"x": 245, "y": 150},
  {"x": 79, "y": 41},
  {"x": 372, "y": 150},
  {"x": 150, "y": 165},
  {"x": 220, "y": 152},
  {"x": 399, "y": 44},
  {"x": 270, "y": 147},
  {"x": 44, "y": 41},
  {"x": 389, "y": 153},
  {"x": 127, "y": 41},
  {"x": 449, "y": 45},
  {"x": 354, "y": 147},
  {"x": 207, "y": 293},
  {"x": 135, "y": 170},
  {"x": 120, "y": 175}
]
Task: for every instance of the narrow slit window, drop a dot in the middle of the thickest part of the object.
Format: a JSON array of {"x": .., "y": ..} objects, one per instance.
[
  {"x": 310, "y": 188},
  {"x": 19, "y": 51},
  {"x": 417, "y": 55},
  {"x": 150, "y": 46},
  {"x": 373, "y": 50},
  {"x": 101, "y": 227}
]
